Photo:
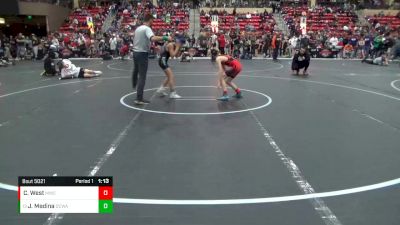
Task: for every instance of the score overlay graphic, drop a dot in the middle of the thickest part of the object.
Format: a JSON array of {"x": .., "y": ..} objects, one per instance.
[{"x": 65, "y": 194}]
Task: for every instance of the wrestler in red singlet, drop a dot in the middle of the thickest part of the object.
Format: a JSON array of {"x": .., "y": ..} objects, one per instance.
[{"x": 229, "y": 68}]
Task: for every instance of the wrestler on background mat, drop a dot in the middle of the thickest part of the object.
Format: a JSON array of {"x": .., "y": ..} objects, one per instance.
[
  {"x": 69, "y": 70},
  {"x": 382, "y": 60}
]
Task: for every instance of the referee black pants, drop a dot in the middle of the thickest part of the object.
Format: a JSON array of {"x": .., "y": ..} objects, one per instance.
[{"x": 140, "y": 64}]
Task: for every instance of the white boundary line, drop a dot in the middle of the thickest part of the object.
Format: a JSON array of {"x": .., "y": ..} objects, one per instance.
[
  {"x": 319, "y": 205},
  {"x": 261, "y": 200},
  {"x": 270, "y": 59},
  {"x": 256, "y": 58},
  {"x": 385, "y": 184},
  {"x": 122, "y": 101},
  {"x": 109, "y": 66},
  {"x": 61, "y": 84},
  {"x": 394, "y": 86},
  {"x": 196, "y": 99},
  {"x": 54, "y": 218},
  {"x": 85, "y": 59},
  {"x": 325, "y": 83}
]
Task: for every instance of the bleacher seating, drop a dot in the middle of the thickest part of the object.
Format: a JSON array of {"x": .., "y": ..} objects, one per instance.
[
  {"x": 392, "y": 21},
  {"x": 97, "y": 14},
  {"x": 319, "y": 19},
  {"x": 161, "y": 23},
  {"x": 226, "y": 22}
]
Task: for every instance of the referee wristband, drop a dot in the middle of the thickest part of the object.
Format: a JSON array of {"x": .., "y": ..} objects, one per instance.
[{"x": 165, "y": 38}]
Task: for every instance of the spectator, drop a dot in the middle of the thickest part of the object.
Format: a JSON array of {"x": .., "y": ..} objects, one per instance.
[
  {"x": 348, "y": 51},
  {"x": 354, "y": 42},
  {"x": 221, "y": 43},
  {"x": 275, "y": 44},
  {"x": 378, "y": 45},
  {"x": 304, "y": 42},
  {"x": 214, "y": 38},
  {"x": 248, "y": 16},
  {"x": 267, "y": 46},
  {"x": 361, "y": 46},
  {"x": 35, "y": 45},
  {"x": 293, "y": 42},
  {"x": 285, "y": 43},
  {"x": 55, "y": 42},
  {"x": 368, "y": 44},
  {"x": 113, "y": 46},
  {"x": 192, "y": 41},
  {"x": 20, "y": 40},
  {"x": 396, "y": 48}
]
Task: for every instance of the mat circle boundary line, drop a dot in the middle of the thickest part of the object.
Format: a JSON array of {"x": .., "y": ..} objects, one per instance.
[
  {"x": 122, "y": 101},
  {"x": 394, "y": 86}
]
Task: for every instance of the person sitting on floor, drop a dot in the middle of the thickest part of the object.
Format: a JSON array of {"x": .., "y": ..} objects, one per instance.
[
  {"x": 301, "y": 59},
  {"x": 348, "y": 51},
  {"x": 69, "y": 70}
]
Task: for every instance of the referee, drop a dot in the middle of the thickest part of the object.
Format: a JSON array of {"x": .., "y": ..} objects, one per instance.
[{"x": 141, "y": 46}]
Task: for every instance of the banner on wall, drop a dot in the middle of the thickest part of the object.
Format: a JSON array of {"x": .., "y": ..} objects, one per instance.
[
  {"x": 214, "y": 23},
  {"x": 303, "y": 23},
  {"x": 90, "y": 24}
]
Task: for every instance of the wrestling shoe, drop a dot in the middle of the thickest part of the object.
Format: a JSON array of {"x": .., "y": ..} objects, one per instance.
[
  {"x": 238, "y": 95},
  {"x": 162, "y": 91},
  {"x": 174, "y": 95},
  {"x": 223, "y": 98}
]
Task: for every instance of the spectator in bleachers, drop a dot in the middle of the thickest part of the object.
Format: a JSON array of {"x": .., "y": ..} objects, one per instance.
[
  {"x": 354, "y": 43},
  {"x": 284, "y": 46},
  {"x": 192, "y": 41},
  {"x": 396, "y": 48},
  {"x": 323, "y": 22},
  {"x": 113, "y": 46},
  {"x": 304, "y": 41},
  {"x": 293, "y": 44},
  {"x": 202, "y": 41},
  {"x": 221, "y": 43},
  {"x": 54, "y": 41},
  {"x": 214, "y": 38},
  {"x": 248, "y": 15}
]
